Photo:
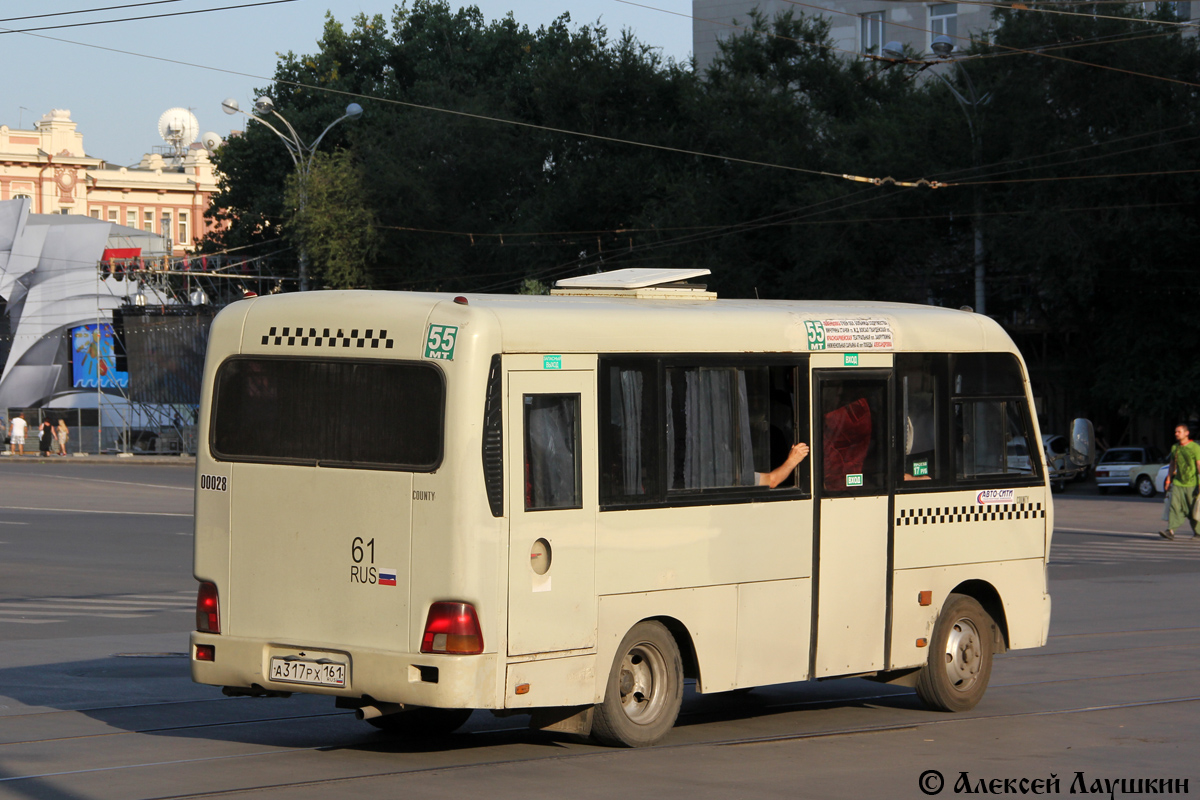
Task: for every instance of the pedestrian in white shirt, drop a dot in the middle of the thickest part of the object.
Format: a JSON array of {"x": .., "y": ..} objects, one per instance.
[{"x": 19, "y": 426}]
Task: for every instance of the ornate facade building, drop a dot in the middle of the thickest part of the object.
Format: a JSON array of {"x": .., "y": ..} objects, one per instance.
[{"x": 166, "y": 194}]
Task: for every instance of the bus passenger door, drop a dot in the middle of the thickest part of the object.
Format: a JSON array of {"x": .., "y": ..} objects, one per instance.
[
  {"x": 552, "y": 487},
  {"x": 852, "y": 432}
]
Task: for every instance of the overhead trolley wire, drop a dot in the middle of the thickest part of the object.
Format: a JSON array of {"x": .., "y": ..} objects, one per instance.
[
  {"x": 90, "y": 10},
  {"x": 1033, "y": 8},
  {"x": 598, "y": 137},
  {"x": 149, "y": 16}
]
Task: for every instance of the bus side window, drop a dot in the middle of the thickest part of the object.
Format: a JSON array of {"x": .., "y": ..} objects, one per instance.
[
  {"x": 991, "y": 418},
  {"x": 553, "y": 476},
  {"x": 921, "y": 386},
  {"x": 991, "y": 436},
  {"x": 675, "y": 432},
  {"x": 629, "y": 424}
]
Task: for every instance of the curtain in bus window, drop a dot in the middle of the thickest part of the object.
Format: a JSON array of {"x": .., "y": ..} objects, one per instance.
[
  {"x": 551, "y": 451},
  {"x": 630, "y": 426},
  {"x": 709, "y": 443},
  {"x": 846, "y": 440}
]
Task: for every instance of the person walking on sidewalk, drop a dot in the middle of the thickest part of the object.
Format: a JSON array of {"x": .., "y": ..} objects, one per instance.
[
  {"x": 45, "y": 437},
  {"x": 17, "y": 432},
  {"x": 1181, "y": 483}
]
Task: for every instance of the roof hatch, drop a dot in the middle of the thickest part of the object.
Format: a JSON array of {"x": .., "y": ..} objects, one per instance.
[{"x": 642, "y": 283}]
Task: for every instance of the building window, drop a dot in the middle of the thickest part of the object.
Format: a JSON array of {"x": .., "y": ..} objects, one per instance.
[
  {"x": 94, "y": 213},
  {"x": 148, "y": 221},
  {"x": 872, "y": 32},
  {"x": 1180, "y": 11},
  {"x": 64, "y": 211},
  {"x": 943, "y": 21},
  {"x": 112, "y": 216},
  {"x": 165, "y": 228},
  {"x": 183, "y": 239}
]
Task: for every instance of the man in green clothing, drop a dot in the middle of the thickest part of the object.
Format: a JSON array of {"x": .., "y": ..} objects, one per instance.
[{"x": 1181, "y": 483}]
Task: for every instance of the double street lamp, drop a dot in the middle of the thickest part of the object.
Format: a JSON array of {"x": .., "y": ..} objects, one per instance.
[
  {"x": 302, "y": 154},
  {"x": 943, "y": 47}
]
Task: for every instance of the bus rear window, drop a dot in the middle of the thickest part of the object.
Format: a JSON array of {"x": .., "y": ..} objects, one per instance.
[{"x": 333, "y": 412}]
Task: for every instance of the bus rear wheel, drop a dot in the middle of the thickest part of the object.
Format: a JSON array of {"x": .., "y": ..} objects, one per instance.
[
  {"x": 645, "y": 689},
  {"x": 960, "y": 657},
  {"x": 422, "y": 721}
]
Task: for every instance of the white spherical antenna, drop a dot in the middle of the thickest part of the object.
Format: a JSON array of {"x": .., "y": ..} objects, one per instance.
[
  {"x": 211, "y": 141},
  {"x": 178, "y": 127}
]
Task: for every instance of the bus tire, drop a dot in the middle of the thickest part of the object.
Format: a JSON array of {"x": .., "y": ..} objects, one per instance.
[
  {"x": 422, "y": 722},
  {"x": 645, "y": 689},
  {"x": 960, "y": 657}
]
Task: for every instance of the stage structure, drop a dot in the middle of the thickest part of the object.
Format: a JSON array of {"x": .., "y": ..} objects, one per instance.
[{"x": 108, "y": 330}]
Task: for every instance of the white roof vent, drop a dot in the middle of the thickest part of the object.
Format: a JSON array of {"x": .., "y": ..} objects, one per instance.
[{"x": 647, "y": 283}]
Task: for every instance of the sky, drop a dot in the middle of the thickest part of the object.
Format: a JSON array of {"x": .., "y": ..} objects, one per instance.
[{"x": 116, "y": 98}]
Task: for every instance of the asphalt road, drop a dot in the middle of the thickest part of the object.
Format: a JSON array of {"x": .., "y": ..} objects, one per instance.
[{"x": 96, "y": 598}]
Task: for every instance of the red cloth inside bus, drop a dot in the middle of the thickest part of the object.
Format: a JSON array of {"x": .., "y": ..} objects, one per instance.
[{"x": 845, "y": 442}]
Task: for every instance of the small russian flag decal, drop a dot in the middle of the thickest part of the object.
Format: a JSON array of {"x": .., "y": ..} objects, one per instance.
[{"x": 387, "y": 577}]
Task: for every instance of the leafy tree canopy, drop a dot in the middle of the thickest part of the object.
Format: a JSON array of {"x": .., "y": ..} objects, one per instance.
[{"x": 493, "y": 157}]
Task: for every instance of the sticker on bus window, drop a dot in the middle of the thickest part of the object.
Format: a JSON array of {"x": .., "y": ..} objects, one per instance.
[
  {"x": 854, "y": 480},
  {"x": 920, "y": 469},
  {"x": 551, "y": 362},
  {"x": 439, "y": 342}
]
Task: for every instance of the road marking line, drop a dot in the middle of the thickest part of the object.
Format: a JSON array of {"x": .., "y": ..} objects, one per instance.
[
  {"x": 94, "y": 511},
  {"x": 121, "y": 483},
  {"x": 173, "y": 601}
]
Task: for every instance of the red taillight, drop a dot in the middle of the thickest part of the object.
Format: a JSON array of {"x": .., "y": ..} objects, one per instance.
[
  {"x": 208, "y": 609},
  {"x": 452, "y": 628},
  {"x": 206, "y": 652}
]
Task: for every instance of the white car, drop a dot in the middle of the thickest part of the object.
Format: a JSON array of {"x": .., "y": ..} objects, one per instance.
[
  {"x": 1129, "y": 468},
  {"x": 1148, "y": 481}
]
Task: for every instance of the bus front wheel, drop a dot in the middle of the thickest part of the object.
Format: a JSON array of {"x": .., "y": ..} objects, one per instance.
[
  {"x": 960, "y": 657},
  {"x": 645, "y": 689}
]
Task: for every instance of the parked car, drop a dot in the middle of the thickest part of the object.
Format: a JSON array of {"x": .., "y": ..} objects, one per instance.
[
  {"x": 1148, "y": 481},
  {"x": 1129, "y": 468},
  {"x": 1055, "y": 448}
]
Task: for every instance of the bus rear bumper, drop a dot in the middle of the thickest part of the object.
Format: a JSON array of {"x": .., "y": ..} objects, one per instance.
[{"x": 436, "y": 681}]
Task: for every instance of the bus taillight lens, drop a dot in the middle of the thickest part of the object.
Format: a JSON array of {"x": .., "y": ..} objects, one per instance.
[
  {"x": 452, "y": 628},
  {"x": 208, "y": 609}
]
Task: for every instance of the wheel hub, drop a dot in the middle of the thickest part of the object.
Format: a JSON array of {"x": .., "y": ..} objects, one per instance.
[
  {"x": 963, "y": 654},
  {"x": 641, "y": 670}
]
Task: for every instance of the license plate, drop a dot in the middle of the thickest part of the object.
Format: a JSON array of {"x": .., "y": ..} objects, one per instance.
[{"x": 313, "y": 673}]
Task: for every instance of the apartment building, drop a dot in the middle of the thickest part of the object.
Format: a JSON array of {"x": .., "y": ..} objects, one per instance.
[{"x": 863, "y": 26}]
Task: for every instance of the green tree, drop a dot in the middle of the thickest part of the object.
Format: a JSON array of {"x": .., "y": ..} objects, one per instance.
[{"x": 332, "y": 222}]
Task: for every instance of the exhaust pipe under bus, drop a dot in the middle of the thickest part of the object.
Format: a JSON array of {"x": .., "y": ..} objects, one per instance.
[{"x": 377, "y": 710}]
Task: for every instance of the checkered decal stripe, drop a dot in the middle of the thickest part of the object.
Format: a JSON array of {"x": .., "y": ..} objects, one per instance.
[
  {"x": 307, "y": 337},
  {"x": 973, "y": 513}
]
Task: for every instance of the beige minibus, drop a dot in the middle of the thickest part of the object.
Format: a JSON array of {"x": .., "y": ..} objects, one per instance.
[{"x": 422, "y": 505}]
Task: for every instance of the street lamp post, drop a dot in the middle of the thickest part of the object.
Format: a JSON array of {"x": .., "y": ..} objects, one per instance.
[
  {"x": 943, "y": 47},
  {"x": 302, "y": 154}
]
